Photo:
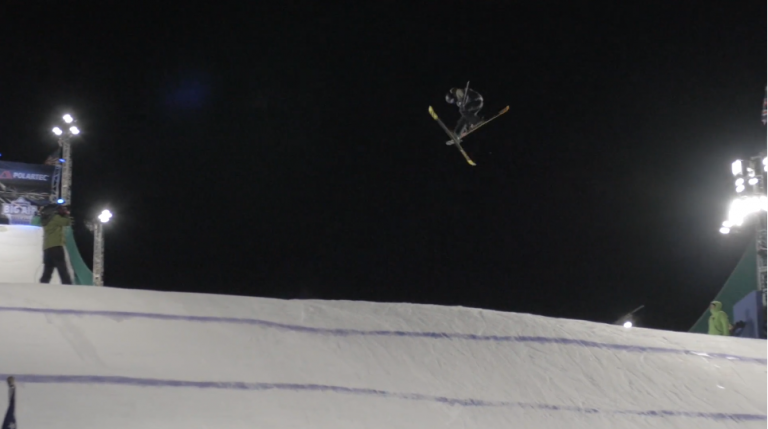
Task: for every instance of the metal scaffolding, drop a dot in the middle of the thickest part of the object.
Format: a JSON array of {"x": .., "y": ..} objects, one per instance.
[
  {"x": 97, "y": 227},
  {"x": 66, "y": 153}
]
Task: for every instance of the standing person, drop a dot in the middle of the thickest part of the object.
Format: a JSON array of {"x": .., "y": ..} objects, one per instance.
[
  {"x": 9, "y": 422},
  {"x": 469, "y": 102},
  {"x": 54, "y": 219},
  {"x": 718, "y": 321}
]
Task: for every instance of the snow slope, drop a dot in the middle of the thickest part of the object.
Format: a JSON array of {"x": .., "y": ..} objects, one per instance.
[
  {"x": 21, "y": 254},
  {"x": 88, "y": 357}
]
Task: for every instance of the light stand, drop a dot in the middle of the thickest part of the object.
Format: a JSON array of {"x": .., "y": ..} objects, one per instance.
[
  {"x": 750, "y": 203},
  {"x": 97, "y": 227},
  {"x": 66, "y": 149}
]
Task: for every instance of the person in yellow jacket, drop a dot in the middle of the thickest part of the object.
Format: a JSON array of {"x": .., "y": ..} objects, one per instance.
[
  {"x": 718, "y": 321},
  {"x": 53, "y": 220}
]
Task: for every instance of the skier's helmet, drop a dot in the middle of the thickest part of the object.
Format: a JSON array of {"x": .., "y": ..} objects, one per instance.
[
  {"x": 49, "y": 209},
  {"x": 451, "y": 97}
]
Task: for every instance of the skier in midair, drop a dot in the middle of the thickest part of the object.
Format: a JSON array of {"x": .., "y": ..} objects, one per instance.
[{"x": 469, "y": 103}]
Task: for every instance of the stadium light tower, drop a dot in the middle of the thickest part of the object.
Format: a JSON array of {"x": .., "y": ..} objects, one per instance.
[
  {"x": 751, "y": 205},
  {"x": 97, "y": 226},
  {"x": 64, "y": 136}
]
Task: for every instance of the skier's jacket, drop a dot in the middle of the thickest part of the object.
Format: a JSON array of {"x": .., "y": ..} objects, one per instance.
[
  {"x": 718, "y": 321},
  {"x": 53, "y": 229},
  {"x": 471, "y": 103}
]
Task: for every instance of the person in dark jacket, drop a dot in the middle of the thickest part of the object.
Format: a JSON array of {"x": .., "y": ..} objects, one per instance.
[
  {"x": 469, "y": 102},
  {"x": 53, "y": 220}
]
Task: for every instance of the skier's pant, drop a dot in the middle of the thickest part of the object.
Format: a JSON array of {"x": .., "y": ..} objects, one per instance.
[
  {"x": 53, "y": 257},
  {"x": 465, "y": 122}
]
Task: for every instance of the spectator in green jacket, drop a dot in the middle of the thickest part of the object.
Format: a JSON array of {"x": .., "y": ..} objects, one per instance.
[
  {"x": 54, "y": 219},
  {"x": 718, "y": 321}
]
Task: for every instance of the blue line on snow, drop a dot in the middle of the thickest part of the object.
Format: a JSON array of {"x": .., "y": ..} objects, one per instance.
[
  {"x": 359, "y": 332},
  {"x": 462, "y": 402}
]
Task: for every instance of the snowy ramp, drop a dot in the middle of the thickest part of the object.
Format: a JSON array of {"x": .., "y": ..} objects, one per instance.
[
  {"x": 89, "y": 357},
  {"x": 21, "y": 254}
]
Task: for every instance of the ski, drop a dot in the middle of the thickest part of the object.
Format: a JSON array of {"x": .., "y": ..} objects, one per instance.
[
  {"x": 451, "y": 135},
  {"x": 501, "y": 112}
]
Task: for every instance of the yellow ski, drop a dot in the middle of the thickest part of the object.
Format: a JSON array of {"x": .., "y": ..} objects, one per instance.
[
  {"x": 472, "y": 130},
  {"x": 451, "y": 135},
  {"x": 503, "y": 111}
]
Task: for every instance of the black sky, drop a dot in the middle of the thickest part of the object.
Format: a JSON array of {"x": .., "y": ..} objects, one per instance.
[{"x": 285, "y": 150}]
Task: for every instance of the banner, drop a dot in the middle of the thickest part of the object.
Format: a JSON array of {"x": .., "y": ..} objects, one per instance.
[
  {"x": 17, "y": 212},
  {"x": 19, "y": 178}
]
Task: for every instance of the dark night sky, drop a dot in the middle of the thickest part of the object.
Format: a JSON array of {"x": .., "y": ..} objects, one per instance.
[{"x": 286, "y": 151}]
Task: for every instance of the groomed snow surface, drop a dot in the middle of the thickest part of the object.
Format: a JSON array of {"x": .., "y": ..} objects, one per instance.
[
  {"x": 21, "y": 255},
  {"x": 88, "y": 357}
]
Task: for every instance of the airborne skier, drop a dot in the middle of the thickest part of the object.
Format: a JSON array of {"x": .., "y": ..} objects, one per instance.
[{"x": 469, "y": 102}]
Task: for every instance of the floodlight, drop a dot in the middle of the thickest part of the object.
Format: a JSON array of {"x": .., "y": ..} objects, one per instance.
[
  {"x": 628, "y": 324},
  {"x": 60, "y": 201},
  {"x": 754, "y": 204},
  {"x": 736, "y": 168},
  {"x": 753, "y": 181},
  {"x": 743, "y": 207},
  {"x": 105, "y": 216},
  {"x": 727, "y": 224},
  {"x": 737, "y": 212},
  {"x": 57, "y": 131},
  {"x": 739, "y": 181},
  {"x": 74, "y": 130},
  {"x": 725, "y": 230},
  {"x": 740, "y": 188},
  {"x": 68, "y": 118}
]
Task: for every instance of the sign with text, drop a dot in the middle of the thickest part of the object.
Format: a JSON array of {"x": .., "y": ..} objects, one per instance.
[
  {"x": 20, "y": 178},
  {"x": 19, "y": 211}
]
